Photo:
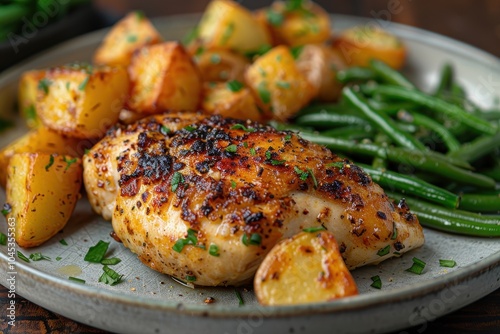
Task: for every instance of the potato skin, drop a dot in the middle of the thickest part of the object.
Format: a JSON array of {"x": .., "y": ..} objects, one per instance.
[
  {"x": 360, "y": 44},
  {"x": 128, "y": 35},
  {"x": 278, "y": 86},
  {"x": 163, "y": 77},
  {"x": 306, "y": 268},
  {"x": 42, "y": 140},
  {"x": 28, "y": 90},
  {"x": 42, "y": 192},
  {"x": 82, "y": 101}
]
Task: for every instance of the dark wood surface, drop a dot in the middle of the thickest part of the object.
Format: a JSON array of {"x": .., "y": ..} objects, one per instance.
[{"x": 473, "y": 22}]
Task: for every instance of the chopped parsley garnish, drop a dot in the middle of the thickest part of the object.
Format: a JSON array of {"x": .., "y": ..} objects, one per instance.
[
  {"x": 252, "y": 151},
  {"x": 84, "y": 83},
  {"x": 337, "y": 164},
  {"x": 417, "y": 266},
  {"x": 177, "y": 179},
  {"x": 63, "y": 242},
  {"x": 139, "y": 15},
  {"x": 69, "y": 162},
  {"x": 58, "y": 258},
  {"x": 231, "y": 148},
  {"x": 22, "y": 257},
  {"x": 384, "y": 251},
  {"x": 315, "y": 182},
  {"x": 39, "y": 257},
  {"x": 227, "y": 33},
  {"x": 30, "y": 112},
  {"x": 376, "y": 282},
  {"x": 111, "y": 261},
  {"x": 302, "y": 175},
  {"x": 215, "y": 58},
  {"x": 277, "y": 162},
  {"x": 292, "y": 5},
  {"x": 283, "y": 84},
  {"x": 233, "y": 184},
  {"x": 394, "y": 233},
  {"x": 190, "y": 278},
  {"x": 191, "y": 36},
  {"x": 245, "y": 144},
  {"x": 213, "y": 250},
  {"x": 191, "y": 239},
  {"x": 131, "y": 38},
  {"x": 240, "y": 299},
  {"x": 254, "y": 239},
  {"x": 3, "y": 239},
  {"x": 6, "y": 209},
  {"x": 264, "y": 93},
  {"x": 189, "y": 128},
  {"x": 275, "y": 18},
  {"x": 76, "y": 279},
  {"x": 261, "y": 51},
  {"x": 164, "y": 130},
  {"x": 51, "y": 162},
  {"x": 44, "y": 85},
  {"x": 68, "y": 85},
  {"x": 234, "y": 86},
  {"x": 296, "y": 51},
  {"x": 288, "y": 137},
  {"x": 110, "y": 276},
  {"x": 96, "y": 253},
  {"x": 314, "y": 229},
  {"x": 268, "y": 155},
  {"x": 447, "y": 263}
]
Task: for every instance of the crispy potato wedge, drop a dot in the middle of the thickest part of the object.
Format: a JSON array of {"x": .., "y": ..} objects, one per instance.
[
  {"x": 226, "y": 100},
  {"x": 278, "y": 86},
  {"x": 128, "y": 35},
  {"x": 221, "y": 65},
  {"x": 42, "y": 140},
  {"x": 306, "y": 268},
  {"x": 226, "y": 24},
  {"x": 360, "y": 44},
  {"x": 81, "y": 101},
  {"x": 42, "y": 191},
  {"x": 163, "y": 77},
  {"x": 28, "y": 89},
  {"x": 295, "y": 25},
  {"x": 320, "y": 63}
]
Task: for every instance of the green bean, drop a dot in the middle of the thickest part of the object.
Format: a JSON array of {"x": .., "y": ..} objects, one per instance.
[
  {"x": 494, "y": 173},
  {"x": 10, "y": 14},
  {"x": 356, "y": 74},
  {"x": 382, "y": 121},
  {"x": 333, "y": 108},
  {"x": 389, "y": 75},
  {"x": 328, "y": 120},
  {"x": 477, "y": 148},
  {"x": 445, "y": 79},
  {"x": 391, "y": 108},
  {"x": 350, "y": 132},
  {"x": 421, "y": 120},
  {"x": 382, "y": 140},
  {"x": 407, "y": 184},
  {"x": 435, "y": 104},
  {"x": 432, "y": 163},
  {"x": 480, "y": 202}
]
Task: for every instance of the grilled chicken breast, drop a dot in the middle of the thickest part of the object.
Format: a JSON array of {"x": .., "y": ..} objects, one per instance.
[{"x": 204, "y": 199}]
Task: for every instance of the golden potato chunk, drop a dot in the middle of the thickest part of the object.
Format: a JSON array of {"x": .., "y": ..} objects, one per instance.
[
  {"x": 230, "y": 99},
  {"x": 221, "y": 65},
  {"x": 163, "y": 77},
  {"x": 360, "y": 44},
  {"x": 226, "y": 24},
  {"x": 81, "y": 101},
  {"x": 42, "y": 140},
  {"x": 296, "y": 23},
  {"x": 278, "y": 86},
  {"x": 307, "y": 268},
  {"x": 128, "y": 35},
  {"x": 320, "y": 64},
  {"x": 42, "y": 191},
  {"x": 28, "y": 88}
]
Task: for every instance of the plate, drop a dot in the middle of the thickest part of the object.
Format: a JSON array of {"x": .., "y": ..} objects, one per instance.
[{"x": 148, "y": 302}]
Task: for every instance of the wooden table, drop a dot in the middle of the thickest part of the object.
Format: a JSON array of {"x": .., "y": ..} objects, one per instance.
[{"x": 474, "y": 22}]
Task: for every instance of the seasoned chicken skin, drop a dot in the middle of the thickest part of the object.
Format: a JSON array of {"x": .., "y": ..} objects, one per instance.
[{"x": 204, "y": 199}]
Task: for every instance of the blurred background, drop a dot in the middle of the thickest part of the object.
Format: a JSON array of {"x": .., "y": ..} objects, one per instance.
[{"x": 473, "y": 22}]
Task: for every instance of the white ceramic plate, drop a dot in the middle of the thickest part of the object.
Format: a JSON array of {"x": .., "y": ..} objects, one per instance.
[{"x": 148, "y": 302}]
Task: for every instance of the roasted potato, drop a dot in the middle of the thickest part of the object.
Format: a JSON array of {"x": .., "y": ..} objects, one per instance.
[
  {"x": 42, "y": 140},
  {"x": 306, "y": 268},
  {"x": 163, "y": 77},
  {"x": 296, "y": 23},
  {"x": 42, "y": 191},
  {"x": 81, "y": 101},
  {"x": 226, "y": 24},
  {"x": 221, "y": 65},
  {"x": 320, "y": 64},
  {"x": 128, "y": 35},
  {"x": 28, "y": 88},
  {"x": 278, "y": 86},
  {"x": 360, "y": 44},
  {"x": 229, "y": 99}
]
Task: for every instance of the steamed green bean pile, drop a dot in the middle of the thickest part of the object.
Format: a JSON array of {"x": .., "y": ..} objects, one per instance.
[{"x": 439, "y": 151}]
